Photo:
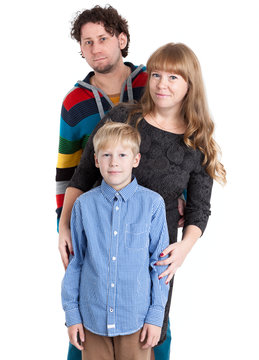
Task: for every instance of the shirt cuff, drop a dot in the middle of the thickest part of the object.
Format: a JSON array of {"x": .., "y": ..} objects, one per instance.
[
  {"x": 73, "y": 317},
  {"x": 155, "y": 316}
]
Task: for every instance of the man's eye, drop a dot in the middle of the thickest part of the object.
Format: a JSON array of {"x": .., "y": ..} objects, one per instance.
[
  {"x": 103, "y": 38},
  {"x": 88, "y": 42}
]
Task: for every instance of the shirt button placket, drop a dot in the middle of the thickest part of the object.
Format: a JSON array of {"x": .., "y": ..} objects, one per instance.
[{"x": 111, "y": 306}]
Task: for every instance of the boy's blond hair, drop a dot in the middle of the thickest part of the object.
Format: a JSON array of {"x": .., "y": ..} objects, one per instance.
[{"x": 115, "y": 132}]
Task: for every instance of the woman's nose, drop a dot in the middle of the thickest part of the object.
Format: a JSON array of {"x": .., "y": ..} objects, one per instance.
[{"x": 162, "y": 82}]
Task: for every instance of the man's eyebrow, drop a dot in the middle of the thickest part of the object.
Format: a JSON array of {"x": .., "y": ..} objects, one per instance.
[{"x": 89, "y": 38}]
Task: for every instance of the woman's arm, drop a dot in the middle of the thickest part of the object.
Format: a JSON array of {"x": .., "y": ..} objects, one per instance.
[{"x": 196, "y": 214}]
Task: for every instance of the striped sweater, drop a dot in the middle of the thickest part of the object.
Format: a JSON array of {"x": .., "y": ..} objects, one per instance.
[{"x": 82, "y": 109}]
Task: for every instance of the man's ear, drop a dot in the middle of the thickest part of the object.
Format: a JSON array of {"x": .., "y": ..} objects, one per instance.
[
  {"x": 137, "y": 160},
  {"x": 96, "y": 160},
  {"x": 123, "y": 40}
]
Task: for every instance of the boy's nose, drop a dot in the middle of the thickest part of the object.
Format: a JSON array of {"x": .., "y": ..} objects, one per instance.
[{"x": 113, "y": 162}]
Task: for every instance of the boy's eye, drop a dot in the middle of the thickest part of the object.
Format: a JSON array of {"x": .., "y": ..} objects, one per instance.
[
  {"x": 123, "y": 155},
  {"x": 173, "y": 77},
  {"x": 106, "y": 155}
]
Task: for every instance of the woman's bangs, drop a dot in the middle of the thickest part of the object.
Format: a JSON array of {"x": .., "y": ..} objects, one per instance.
[{"x": 167, "y": 63}]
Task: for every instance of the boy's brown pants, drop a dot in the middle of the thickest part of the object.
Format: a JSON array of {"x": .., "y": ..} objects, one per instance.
[{"x": 126, "y": 347}]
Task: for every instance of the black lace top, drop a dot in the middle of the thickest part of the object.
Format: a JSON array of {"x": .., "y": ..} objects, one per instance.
[{"x": 167, "y": 166}]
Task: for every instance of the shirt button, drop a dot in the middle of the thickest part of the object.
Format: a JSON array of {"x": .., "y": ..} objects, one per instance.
[
  {"x": 111, "y": 309},
  {"x": 113, "y": 258},
  {"x": 115, "y": 232},
  {"x": 117, "y": 208},
  {"x": 112, "y": 285}
]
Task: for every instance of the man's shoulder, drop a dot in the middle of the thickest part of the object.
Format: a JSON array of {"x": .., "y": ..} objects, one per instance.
[
  {"x": 78, "y": 93},
  {"x": 138, "y": 74}
]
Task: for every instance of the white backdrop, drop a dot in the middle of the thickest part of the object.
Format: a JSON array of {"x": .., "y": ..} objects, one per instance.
[{"x": 214, "y": 312}]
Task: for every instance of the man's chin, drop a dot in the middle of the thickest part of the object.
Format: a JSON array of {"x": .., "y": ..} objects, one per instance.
[{"x": 103, "y": 69}]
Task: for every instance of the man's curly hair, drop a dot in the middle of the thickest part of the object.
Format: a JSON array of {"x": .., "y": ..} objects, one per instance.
[{"x": 113, "y": 23}]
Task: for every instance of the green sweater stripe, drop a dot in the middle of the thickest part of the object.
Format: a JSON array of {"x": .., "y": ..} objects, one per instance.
[{"x": 70, "y": 147}]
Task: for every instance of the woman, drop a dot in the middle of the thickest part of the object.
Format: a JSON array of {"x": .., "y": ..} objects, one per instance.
[{"x": 177, "y": 148}]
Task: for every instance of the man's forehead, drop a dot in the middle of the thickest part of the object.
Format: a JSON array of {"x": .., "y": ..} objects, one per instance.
[{"x": 90, "y": 29}]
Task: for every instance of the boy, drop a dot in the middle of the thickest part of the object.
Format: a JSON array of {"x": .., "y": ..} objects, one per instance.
[{"x": 111, "y": 293}]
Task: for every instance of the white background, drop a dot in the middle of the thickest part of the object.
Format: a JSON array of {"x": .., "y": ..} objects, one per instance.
[{"x": 214, "y": 313}]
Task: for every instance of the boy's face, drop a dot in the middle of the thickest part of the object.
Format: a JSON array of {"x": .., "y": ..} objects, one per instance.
[{"x": 115, "y": 162}]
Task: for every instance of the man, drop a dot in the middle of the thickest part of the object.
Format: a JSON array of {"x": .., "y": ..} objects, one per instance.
[{"x": 104, "y": 40}]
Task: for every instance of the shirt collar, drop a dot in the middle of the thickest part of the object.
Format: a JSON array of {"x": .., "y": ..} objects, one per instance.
[{"x": 127, "y": 192}]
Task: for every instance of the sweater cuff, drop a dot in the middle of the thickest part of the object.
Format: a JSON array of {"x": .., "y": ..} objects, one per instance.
[
  {"x": 73, "y": 317},
  {"x": 155, "y": 316}
]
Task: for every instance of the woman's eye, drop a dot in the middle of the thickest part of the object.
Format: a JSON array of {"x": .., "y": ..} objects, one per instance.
[{"x": 155, "y": 75}]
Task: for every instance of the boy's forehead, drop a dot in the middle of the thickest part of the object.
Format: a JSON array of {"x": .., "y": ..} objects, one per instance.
[{"x": 116, "y": 144}]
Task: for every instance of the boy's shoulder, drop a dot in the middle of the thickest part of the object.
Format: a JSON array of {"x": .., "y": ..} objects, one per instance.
[
  {"x": 151, "y": 194},
  {"x": 88, "y": 195}
]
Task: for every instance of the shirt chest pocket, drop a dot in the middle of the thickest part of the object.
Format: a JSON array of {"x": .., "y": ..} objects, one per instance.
[{"x": 137, "y": 236}]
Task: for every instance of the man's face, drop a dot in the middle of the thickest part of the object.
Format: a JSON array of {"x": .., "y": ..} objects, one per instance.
[{"x": 101, "y": 50}]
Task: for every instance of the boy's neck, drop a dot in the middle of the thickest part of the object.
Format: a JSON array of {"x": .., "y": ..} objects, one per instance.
[{"x": 119, "y": 188}]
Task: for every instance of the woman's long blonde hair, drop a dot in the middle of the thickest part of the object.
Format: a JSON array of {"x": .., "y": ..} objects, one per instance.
[{"x": 180, "y": 59}]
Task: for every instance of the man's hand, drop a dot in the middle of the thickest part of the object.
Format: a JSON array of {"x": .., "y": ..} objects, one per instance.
[
  {"x": 65, "y": 242},
  {"x": 76, "y": 335},
  {"x": 65, "y": 245},
  {"x": 150, "y": 333},
  {"x": 181, "y": 207}
]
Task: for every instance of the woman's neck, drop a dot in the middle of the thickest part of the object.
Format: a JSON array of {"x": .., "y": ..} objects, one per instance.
[{"x": 167, "y": 120}]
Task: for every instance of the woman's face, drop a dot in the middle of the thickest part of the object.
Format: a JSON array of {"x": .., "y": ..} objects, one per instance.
[{"x": 167, "y": 89}]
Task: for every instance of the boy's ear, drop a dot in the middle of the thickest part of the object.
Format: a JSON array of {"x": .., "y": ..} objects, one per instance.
[
  {"x": 137, "y": 160},
  {"x": 96, "y": 160}
]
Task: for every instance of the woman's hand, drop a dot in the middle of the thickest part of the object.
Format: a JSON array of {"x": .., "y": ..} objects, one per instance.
[
  {"x": 178, "y": 251},
  {"x": 181, "y": 207}
]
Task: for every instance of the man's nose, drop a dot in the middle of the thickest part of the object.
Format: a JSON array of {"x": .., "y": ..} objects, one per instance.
[{"x": 96, "y": 48}]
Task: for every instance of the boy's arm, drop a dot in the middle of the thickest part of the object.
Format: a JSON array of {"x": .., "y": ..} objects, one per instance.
[
  {"x": 71, "y": 281},
  {"x": 159, "y": 239}
]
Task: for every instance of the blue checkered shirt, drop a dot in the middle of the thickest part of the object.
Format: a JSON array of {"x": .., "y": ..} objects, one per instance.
[{"x": 111, "y": 284}]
